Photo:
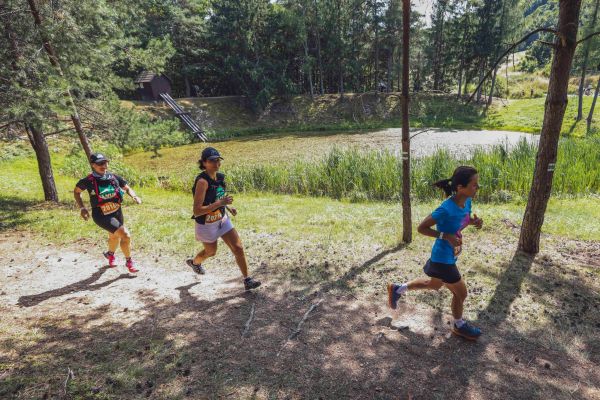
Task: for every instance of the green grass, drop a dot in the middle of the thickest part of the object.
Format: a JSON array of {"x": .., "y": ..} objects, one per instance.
[
  {"x": 526, "y": 115},
  {"x": 314, "y": 166},
  {"x": 166, "y": 215}
]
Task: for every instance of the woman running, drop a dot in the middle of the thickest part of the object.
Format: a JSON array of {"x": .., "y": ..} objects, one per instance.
[
  {"x": 212, "y": 221},
  {"x": 106, "y": 195},
  {"x": 451, "y": 217}
]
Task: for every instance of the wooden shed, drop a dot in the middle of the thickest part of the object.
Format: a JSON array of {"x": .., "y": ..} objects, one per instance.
[{"x": 151, "y": 85}]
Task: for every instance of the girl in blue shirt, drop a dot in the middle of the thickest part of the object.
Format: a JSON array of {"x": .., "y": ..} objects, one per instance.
[{"x": 450, "y": 218}]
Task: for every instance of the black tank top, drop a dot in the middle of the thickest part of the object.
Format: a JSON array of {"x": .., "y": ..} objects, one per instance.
[{"x": 214, "y": 192}]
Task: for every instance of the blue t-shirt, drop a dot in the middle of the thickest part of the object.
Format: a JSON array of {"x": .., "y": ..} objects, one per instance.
[{"x": 450, "y": 218}]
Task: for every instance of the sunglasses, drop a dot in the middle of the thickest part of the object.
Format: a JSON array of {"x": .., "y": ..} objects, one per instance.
[{"x": 102, "y": 163}]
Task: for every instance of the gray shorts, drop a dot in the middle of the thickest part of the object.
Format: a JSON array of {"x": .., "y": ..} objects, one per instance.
[{"x": 210, "y": 233}]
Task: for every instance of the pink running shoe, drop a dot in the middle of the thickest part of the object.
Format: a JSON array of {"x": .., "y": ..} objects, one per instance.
[
  {"x": 130, "y": 266},
  {"x": 111, "y": 259}
]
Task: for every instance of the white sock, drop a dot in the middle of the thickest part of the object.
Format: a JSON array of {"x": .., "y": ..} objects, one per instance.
[
  {"x": 402, "y": 289},
  {"x": 459, "y": 322}
]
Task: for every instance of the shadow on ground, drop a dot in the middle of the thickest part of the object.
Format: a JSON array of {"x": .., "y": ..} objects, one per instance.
[{"x": 194, "y": 348}]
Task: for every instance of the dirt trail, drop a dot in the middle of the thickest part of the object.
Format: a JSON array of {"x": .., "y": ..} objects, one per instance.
[{"x": 167, "y": 333}]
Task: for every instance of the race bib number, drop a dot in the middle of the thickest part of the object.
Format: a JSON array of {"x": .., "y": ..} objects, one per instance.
[
  {"x": 213, "y": 216},
  {"x": 109, "y": 208}
]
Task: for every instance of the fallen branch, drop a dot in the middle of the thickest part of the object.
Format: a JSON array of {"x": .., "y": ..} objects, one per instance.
[
  {"x": 70, "y": 376},
  {"x": 523, "y": 39},
  {"x": 296, "y": 332},
  {"x": 58, "y": 131},
  {"x": 247, "y": 325},
  {"x": 423, "y": 131}
]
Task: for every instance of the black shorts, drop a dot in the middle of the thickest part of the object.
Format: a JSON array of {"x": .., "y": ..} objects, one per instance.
[
  {"x": 447, "y": 273},
  {"x": 110, "y": 222}
]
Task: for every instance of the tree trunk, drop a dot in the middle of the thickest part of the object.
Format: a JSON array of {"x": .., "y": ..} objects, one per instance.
[
  {"x": 491, "y": 96},
  {"x": 341, "y": 89},
  {"x": 399, "y": 72},
  {"x": 341, "y": 41},
  {"x": 417, "y": 79},
  {"x": 306, "y": 59},
  {"x": 38, "y": 142},
  {"x": 321, "y": 85},
  {"x": 586, "y": 54},
  {"x": 390, "y": 82},
  {"x": 462, "y": 52},
  {"x": 439, "y": 44},
  {"x": 319, "y": 60},
  {"x": 310, "y": 80},
  {"x": 481, "y": 73},
  {"x": 507, "y": 83},
  {"x": 54, "y": 61},
  {"x": 406, "y": 207},
  {"x": 188, "y": 88},
  {"x": 591, "y": 114},
  {"x": 556, "y": 104},
  {"x": 376, "y": 22}
]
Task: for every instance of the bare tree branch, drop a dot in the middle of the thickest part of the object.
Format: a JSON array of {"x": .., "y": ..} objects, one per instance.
[
  {"x": 9, "y": 123},
  {"x": 59, "y": 131},
  {"x": 523, "y": 39},
  {"x": 588, "y": 37},
  {"x": 553, "y": 45},
  {"x": 70, "y": 376},
  {"x": 420, "y": 132},
  {"x": 298, "y": 329}
]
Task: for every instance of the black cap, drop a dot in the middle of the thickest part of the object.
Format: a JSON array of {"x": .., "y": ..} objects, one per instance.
[
  {"x": 98, "y": 158},
  {"x": 210, "y": 153}
]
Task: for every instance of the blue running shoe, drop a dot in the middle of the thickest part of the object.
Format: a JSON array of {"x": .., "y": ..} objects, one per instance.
[
  {"x": 393, "y": 295},
  {"x": 467, "y": 331}
]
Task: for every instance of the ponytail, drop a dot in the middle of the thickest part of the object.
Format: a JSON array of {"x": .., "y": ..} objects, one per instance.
[
  {"x": 445, "y": 185},
  {"x": 461, "y": 177}
]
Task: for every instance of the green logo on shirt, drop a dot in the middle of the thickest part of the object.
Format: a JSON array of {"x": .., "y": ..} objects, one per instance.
[{"x": 106, "y": 192}]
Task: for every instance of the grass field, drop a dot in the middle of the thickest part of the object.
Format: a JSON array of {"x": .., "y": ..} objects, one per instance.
[
  {"x": 374, "y": 221},
  {"x": 365, "y": 167},
  {"x": 166, "y": 333},
  {"x": 526, "y": 115}
]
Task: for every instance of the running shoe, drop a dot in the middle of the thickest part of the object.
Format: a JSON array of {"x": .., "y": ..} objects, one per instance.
[
  {"x": 197, "y": 268},
  {"x": 251, "y": 283},
  {"x": 467, "y": 331},
  {"x": 110, "y": 258},
  {"x": 130, "y": 266},
  {"x": 393, "y": 295}
]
